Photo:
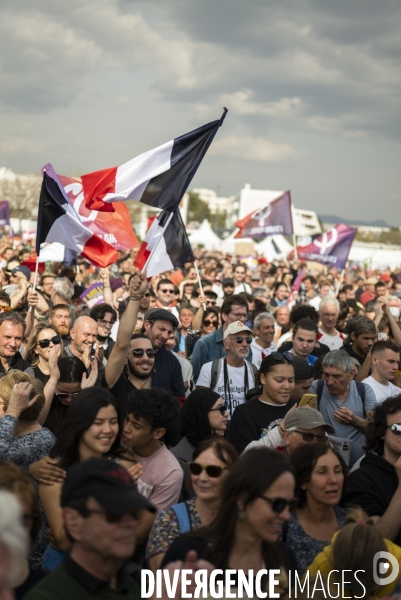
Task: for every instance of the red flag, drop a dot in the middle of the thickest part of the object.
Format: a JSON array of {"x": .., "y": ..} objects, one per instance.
[{"x": 116, "y": 228}]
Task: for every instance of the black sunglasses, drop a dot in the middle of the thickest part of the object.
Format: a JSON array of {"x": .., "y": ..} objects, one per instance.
[
  {"x": 138, "y": 352},
  {"x": 240, "y": 340},
  {"x": 311, "y": 437},
  {"x": 211, "y": 470},
  {"x": 278, "y": 357},
  {"x": 64, "y": 395},
  {"x": 56, "y": 340},
  {"x": 222, "y": 409},
  {"x": 208, "y": 322},
  {"x": 395, "y": 428},
  {"x": 280, "y": 504}
]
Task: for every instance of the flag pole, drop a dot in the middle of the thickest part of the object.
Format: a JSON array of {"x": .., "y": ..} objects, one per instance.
[
  {"x": 294, "y": 241},
  {"x": 339, "y": 282},
  {"x": 199, "y": 282},
  {"x": 35, "y": 279},
  {"x": 158, "y": 241}
]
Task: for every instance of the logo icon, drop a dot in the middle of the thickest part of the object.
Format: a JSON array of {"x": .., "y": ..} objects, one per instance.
[
  {"x": 327, "y": 241},
  {"x": 263, "y": 214},
  {"x": 381, "y": 568}
]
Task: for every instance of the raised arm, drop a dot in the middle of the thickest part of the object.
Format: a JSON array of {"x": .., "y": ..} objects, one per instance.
[
  {"x": 50, "y": 387},
  {"x": 107, "y": 293},
  {"x": 115, "y": 364}
]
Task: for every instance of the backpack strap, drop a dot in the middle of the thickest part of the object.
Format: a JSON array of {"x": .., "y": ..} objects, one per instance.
[
  {"x": 362, "y": 392},
  {"x": 216, "y": 367},
  {"x": 319, "y": 391},
  {"x": 182, "y": 514}
]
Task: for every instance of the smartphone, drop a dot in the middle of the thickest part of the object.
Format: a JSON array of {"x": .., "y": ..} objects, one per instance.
[
  {"x": 308, "y": 400},
  {"x": 382, "y": 336}
]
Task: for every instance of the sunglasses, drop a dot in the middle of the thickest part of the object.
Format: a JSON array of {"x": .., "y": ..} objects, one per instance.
[
  {"x": 138, "y": 352},
  {"x": 64, "y": 395},
  {"x": 56, "y": 340},
  {"x": 311, "y": 437},
  {"x": 222, "y": 409},
  {"x": 104, "y": 323},
  {"x": 241, "y": 340},
  {"x": 5, "y": 308},
  {"x": 278, "y": 357},
  {"x": 280, "y": 504},
  {"x": 208, "y": 322},
  {"x": 167, "y": 291},
  {"x": 211, "y": 470},
  {"x": 395, "y": 428},
  {"x": 109, "y": 517}
]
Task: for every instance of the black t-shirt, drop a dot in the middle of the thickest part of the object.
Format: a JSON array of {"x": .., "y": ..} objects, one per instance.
[
  {"x": 372, "y": 487},
  {"x": 250, "y": 419},
  {"x": 41, "y": 376}
]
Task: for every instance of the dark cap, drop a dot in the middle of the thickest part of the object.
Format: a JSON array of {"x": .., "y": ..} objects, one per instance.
[
  {"x": 228, "y": 281},
  {"x": 116, "y": 283},
  {"x": 307, "y": 418},
  {"x": 105, "y": 481},
  {"x": 302, "y": 369},
  {"x": 22, "y": 269},
  {"x": 161, "y": 314}
]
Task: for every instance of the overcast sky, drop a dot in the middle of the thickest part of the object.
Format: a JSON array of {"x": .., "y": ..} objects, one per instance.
[{"x": 312, "y": 88}]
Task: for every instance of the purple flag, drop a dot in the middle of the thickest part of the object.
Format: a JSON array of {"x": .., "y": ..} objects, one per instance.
[
  {"x": 273, "y": 219},
  {"x": 4, "y": 213},
  {"x": 330, "y": 248}
]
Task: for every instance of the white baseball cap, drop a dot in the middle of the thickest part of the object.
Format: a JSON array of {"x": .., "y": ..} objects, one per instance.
[{"x": 236, "y": 327}]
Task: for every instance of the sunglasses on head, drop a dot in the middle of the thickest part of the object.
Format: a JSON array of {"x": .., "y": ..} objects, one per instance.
[
  {"x": 5, "y": 308},
  {"x": 222, "y": 409},
  {"x": 278, "y": 357},
  {"x": 280, "y": 504},
  {"x": 208, "y": 322},
  {"x": 56, "y": 340},
  {"x": 211, "y": 470},
  {"x": 241, "y": 340},
  {"x": 138, "y": 352},
  {"x": 395, "y": 428}
]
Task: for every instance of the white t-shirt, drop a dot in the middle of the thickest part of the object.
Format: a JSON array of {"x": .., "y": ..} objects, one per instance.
[
  {"x": 334, "y": 342},
  {"x": 243, "y": 287},
  {"x": 382, "y": 392},
  {"x": 236, "y": 377},
  {"x": 259, "y": 353}
]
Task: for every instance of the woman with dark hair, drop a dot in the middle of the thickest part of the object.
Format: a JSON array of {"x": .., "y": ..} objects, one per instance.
[
  {"x": 256, "y": 499},
  {"x": 90, "y": 429},
  {"x": 19, "y": 484},
  {"x": 268, "y": 406},
  {"x": 211, "y": 462},
  {"x": 203, "y": 415},
  {"x": 73, "y": 377},
  {"x": 320, "y": 475},
  {"x": 204, "y": 322}
]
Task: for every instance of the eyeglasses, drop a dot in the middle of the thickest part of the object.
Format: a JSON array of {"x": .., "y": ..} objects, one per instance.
[
  {"x": 280, "y": 504},
  {"x": 166, "y": 291},
  {"x": 395, "y": 428},
  {"x": 240, "y": 317},
  {"x": 110, "y": 517},
  {"x": 56, "y": 340},
  {"x": 222, "y": 409},
  {"x": 5, "y": 308},
  {"x": 311, "y": 437},
  {"x": 104, "y": 323},
  {"x": 208, "y": 322},
  {"x": 138, "y": 352},
  {"x": 64, "y": 395},
  {"x": 211, "y": 470},
  {"x": 241, "y": 340}
]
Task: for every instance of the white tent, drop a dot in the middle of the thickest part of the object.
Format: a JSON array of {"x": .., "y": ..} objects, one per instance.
[
  {"x": 376, "y": 256},
  {"x": 267, "y": 247},
  {"x": 205, "y": 236},
  {"x": 228, "y": 245}
]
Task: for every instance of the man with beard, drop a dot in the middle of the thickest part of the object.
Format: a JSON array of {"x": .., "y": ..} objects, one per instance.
[{"x": 60, "y": 315}]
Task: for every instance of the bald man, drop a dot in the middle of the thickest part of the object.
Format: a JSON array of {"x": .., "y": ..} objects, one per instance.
[{"x": 83, "y": 337}]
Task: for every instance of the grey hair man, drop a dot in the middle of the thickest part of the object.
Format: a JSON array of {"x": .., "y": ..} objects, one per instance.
[
  {"x": 63, "y": 291},
  {"x": 262, "y": 345},
  {"x": 329, "y": 309},
  {"x": 344, "y": 403}
]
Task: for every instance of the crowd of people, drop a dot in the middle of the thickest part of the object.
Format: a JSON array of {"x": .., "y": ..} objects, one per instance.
[{"x": 221, "y": 421}]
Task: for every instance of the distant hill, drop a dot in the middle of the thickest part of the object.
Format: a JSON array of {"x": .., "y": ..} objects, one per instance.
[{"x": 335, "y": 219}]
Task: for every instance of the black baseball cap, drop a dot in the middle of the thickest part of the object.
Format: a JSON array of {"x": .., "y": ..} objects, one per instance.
[
  {"x": 228, "y": 281},
  {"x": 105, "y": 481},
  {"x": 302, "y": 369},
  {"x": 161, "y": 314}
]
